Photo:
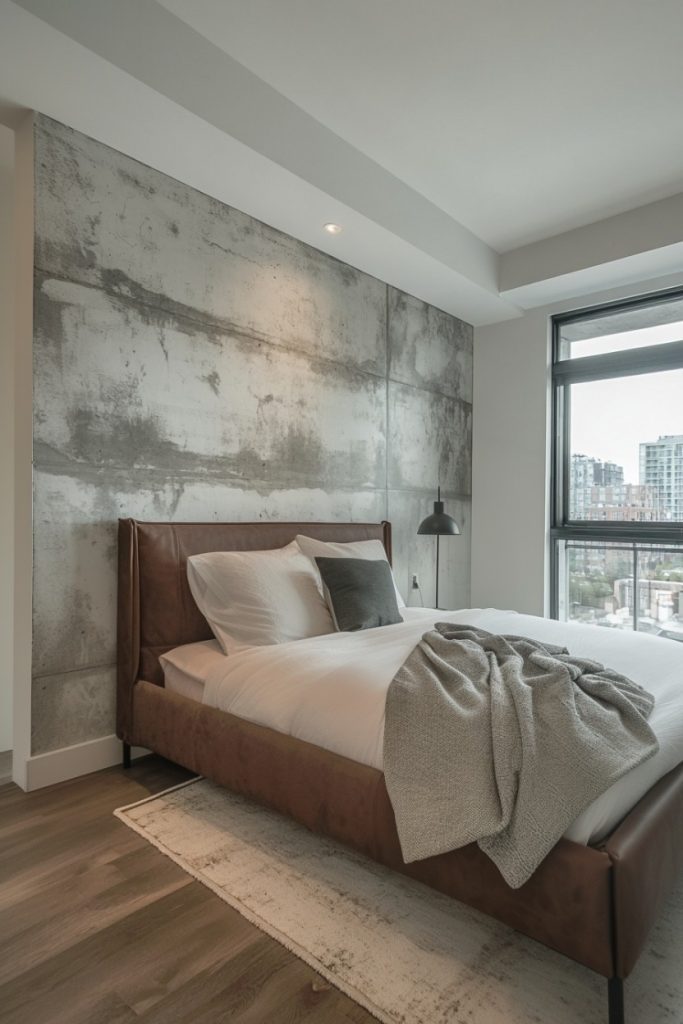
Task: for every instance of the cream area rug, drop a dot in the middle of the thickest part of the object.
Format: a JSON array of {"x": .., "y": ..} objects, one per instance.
[{"x": 406, "y": 953}]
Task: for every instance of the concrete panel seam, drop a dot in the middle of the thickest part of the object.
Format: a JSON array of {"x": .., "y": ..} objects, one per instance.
[
  {"x": 81, "y": 670},
  {"x": 205, "y": 323}
]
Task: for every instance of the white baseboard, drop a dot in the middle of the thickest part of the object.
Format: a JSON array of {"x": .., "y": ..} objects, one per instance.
[{"x": 70, "y": 762}]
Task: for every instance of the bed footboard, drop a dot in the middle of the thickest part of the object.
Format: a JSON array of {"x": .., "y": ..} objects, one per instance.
[
  {"x": 565, "y": 905},
  {"x": 646, "y": 851}
]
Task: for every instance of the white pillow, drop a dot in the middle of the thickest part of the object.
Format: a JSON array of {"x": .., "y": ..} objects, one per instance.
[
  {"x": 253, "y": 598},
  {"x": 371, "y": 549}
]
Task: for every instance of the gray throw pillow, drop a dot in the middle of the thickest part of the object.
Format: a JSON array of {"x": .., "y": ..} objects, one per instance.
[{"x": 359, "y": 592}]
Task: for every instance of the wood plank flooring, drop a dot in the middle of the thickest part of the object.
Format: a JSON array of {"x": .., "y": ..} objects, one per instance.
[{"x": 98, "y": 927}]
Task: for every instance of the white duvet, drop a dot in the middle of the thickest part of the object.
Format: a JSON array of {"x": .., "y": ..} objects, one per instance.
[{"x": 331, "y": 690}]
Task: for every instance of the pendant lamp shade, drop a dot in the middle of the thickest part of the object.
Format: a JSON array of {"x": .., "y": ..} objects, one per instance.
[{"x": 438, "y": 524}]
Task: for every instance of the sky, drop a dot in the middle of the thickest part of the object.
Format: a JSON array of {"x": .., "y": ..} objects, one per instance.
[{"x": 610, "y": 418}]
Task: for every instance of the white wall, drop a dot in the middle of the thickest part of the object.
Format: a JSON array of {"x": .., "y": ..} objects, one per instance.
[
  {"x": 6, "y": 434},
  {"x": 22, "y": 384},
  {"x": 510, "y": 457},
  {"x": 509, "y": 439}
]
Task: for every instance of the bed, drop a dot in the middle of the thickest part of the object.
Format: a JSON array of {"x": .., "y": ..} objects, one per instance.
[{"x": 593, "y": 903}]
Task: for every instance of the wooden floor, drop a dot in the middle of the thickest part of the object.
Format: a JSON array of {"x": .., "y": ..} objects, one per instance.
[{"x": 98, "y": 927}]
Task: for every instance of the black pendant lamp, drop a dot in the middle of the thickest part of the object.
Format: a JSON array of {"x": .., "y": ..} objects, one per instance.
[{"x": 438, "y": 524}]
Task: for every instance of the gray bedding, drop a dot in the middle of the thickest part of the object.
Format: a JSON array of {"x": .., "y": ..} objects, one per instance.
[{"x": 504, "y": 741}]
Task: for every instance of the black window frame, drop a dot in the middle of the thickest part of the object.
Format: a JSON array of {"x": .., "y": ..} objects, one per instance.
[{"x": 564, "y": 373}]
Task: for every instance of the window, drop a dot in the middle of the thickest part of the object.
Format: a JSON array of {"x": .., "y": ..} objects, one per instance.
[{"x": 617, "y": 509}]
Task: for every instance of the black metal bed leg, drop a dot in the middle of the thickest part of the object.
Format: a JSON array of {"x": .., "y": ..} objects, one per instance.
[
  {"x": 126, "y": 756},
  {"x": 615, "y": 1000}
]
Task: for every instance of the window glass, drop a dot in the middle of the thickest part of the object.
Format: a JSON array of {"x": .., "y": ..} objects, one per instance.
[
  {"x": 598, "y": 585},
  {"x": 617, "y": 530},
  {"x": 660, "y": 592},
  {"x": 622, "y": 329},
  {"x": 623, "y": 586},
  {"x": 626, "y": 449},
  {"x": 623, "y": 342}
]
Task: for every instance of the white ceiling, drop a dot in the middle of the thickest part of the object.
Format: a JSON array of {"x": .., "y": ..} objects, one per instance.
[
  {"x": 440, "y": 133},
  {"x": 519, "y": 119}
]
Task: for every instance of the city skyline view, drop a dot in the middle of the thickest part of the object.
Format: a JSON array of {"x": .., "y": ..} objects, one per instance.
[
  {"x": 598, "y": 485},
  {"x": 618, "y": 585},
  {"x": 610, "y": 419},
  {"x": 626, "y": 466}
]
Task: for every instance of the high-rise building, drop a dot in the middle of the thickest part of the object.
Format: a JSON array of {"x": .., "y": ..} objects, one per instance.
[
  {"x": 661, "y": 467},
  {"x": 587, "y": 473},
  {"x": 625, "y": 503}
]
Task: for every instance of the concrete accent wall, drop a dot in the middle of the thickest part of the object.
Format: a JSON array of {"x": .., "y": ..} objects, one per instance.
[{"x": 191, "y": 363}]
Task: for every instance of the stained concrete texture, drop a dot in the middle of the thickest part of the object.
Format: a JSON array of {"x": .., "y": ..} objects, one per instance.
[
  {"x": 429, "y": 440},
  {"x": 73, "y": 707},
  {"x": 178, "y": 255},
  {"x": 429, "y": 348},
  {"x": 180, "y": 400},
  {"x": 191, "y": 363}
]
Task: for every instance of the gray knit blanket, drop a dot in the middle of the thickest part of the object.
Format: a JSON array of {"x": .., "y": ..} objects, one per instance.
[{"x": 504, "y": 741}]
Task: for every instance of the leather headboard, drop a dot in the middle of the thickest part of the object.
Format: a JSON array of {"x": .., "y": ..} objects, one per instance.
[{"x": 156, "y": 610}]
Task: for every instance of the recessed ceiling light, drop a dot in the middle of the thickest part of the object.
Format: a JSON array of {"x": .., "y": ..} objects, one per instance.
[{"x": 333, "y": 229}]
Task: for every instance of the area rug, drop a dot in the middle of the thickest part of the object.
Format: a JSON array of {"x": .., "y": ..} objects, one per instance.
[{"x": 406, "y": 953}]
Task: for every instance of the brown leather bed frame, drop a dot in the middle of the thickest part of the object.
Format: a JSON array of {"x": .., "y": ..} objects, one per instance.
[{"x": 596, "y": 905}]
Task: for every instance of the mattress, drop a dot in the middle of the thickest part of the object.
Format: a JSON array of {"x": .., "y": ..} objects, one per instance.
[{"x": 331, "y": 690}]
